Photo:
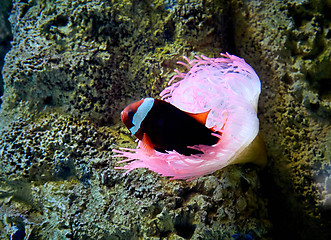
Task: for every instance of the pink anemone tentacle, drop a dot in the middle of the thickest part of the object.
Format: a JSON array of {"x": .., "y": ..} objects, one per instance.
[{"x": 227, "y": 87}]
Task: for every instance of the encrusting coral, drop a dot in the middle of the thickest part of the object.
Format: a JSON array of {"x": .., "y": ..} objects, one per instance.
[{"x": 229, "y": 89}]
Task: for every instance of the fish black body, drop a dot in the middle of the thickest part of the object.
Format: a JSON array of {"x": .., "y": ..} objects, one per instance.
[{"x": 168, "y": 128}]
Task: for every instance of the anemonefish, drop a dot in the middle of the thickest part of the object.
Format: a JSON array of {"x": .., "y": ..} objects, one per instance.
[{"x": 163, "y": 127}]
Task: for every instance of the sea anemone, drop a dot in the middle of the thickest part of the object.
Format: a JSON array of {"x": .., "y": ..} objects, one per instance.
[{"x": 229, "y": 89}]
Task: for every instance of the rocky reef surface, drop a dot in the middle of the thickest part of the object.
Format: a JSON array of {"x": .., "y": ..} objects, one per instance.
[
  {"x": 5, "y": 36},
  {"x": 292, "y": 39},
  {"x": 74, "y": 65}
]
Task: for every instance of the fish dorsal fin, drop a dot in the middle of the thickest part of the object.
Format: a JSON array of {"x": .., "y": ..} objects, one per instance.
[
  {"x": 200, "y": 117},
  {"x": 146, "y": 145}
]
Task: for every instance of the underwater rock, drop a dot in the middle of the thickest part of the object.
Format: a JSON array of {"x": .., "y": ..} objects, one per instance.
[
  {"x": 292, "y": 49},
  {"x": 50, "y": 148},
  {"x": 91, "y": 58},
  {"x": 5, "y": 37}
]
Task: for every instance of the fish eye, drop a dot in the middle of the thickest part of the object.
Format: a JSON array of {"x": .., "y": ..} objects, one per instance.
[{"x": 131, "y": 114}]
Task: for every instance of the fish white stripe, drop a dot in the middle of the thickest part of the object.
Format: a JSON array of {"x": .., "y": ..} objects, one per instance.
[{"x": 141, "y": 113}]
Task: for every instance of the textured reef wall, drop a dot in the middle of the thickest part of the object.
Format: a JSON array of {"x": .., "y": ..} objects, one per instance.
[
  {"x": 5, "y": 37},
  {"x": 74, "y": 65},
  {"x": 289, "y": 46},
  {"x": 91, "y": 58}
]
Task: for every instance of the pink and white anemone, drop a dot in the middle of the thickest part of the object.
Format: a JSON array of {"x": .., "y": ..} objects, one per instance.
[{"x": 227, "y": 86}]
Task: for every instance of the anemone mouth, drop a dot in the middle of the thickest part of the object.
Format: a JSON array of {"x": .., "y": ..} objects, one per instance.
[{"x": 229, "y": 88}]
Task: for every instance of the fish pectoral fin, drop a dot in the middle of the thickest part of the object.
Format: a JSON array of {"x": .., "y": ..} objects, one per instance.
[
  {"x": 146, "y": 145},
  {"x": 200, "y": 117}
]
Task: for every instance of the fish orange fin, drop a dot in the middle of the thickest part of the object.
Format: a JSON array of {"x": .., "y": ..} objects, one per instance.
[
  {"x": 200, "y": 117},
  {"x": 220, "y": 133},
  {"x": 146, "y": 145}
]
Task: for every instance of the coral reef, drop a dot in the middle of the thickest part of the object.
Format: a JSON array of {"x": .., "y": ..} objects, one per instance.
[{"x": 74, "y": 65}]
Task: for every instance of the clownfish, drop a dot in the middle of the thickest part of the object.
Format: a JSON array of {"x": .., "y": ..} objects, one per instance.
[{"x": 163, "y": 127}]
